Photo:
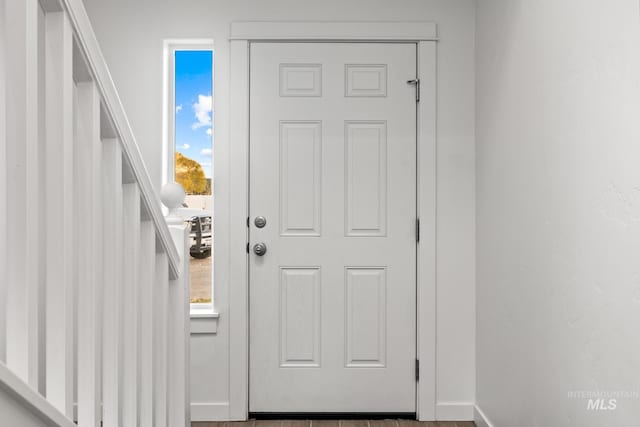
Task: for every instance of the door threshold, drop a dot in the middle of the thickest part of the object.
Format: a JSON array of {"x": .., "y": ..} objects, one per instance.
[{"x": 332, "y": 415}]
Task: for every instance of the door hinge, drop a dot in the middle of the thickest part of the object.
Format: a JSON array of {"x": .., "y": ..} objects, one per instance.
[
  {"x": 247, "y": 247},
  {"x": 417, "y": 229},
  {"x": 416, "y": 83},
  {"x": 417, "y": 370},
  {"x": 247, "y": 222}
]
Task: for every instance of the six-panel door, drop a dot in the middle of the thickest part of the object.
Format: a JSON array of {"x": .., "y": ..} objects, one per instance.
[{"x": 333, "y": 172}]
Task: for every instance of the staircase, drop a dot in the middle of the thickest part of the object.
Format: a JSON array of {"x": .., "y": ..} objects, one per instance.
[{"x": 94, "y": 279}]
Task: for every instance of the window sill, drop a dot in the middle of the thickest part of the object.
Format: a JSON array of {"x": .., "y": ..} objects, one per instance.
[
  {"x": 200, "y": 310},
  {"x": 202, "y": 314}
]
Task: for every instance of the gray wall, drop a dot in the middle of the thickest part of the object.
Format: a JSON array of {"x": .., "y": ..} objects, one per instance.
[
  {"x": 131, "y": 34},
  {"x": 558, "y": 202}
]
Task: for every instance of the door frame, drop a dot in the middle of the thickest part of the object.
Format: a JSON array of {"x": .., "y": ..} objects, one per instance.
[{"x": 243, "y": 34}]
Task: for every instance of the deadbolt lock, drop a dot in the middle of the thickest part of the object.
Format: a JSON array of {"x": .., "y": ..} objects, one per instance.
[{"x": 260, "y": 221}]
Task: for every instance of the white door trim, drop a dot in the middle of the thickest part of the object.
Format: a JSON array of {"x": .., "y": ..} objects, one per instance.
[
  {"x": 242, "y": 35},
  {"x": 333, "y": 31}
]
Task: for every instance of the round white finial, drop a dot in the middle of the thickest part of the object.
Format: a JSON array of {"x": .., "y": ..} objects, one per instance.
[{"x": 172, "y": 196}]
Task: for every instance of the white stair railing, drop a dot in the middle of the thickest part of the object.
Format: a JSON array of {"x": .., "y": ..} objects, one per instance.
[{"x": 94, "y": 302}]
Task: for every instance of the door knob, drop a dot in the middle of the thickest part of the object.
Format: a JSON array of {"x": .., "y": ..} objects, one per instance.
[{"x": 260, "y": 249}]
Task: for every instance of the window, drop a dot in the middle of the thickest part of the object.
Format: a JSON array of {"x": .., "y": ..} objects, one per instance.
[{"x": 189, "y": 156}]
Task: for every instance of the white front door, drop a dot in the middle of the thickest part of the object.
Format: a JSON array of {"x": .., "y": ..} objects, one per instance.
[{"x": 333, "y": 173}]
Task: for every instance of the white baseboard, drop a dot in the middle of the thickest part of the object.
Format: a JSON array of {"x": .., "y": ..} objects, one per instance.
[
  {"x": 480, "y": 418},
  {"x": 210, "y": 411},
  {"x": 445, "y": 411},
  {"x": 454, "y": 411}
]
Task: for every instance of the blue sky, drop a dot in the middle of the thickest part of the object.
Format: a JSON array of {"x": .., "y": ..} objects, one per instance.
[{"x": 194, "y": 101}]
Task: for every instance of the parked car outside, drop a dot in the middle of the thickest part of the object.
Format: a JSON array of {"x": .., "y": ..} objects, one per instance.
[
  {"x": 200, "y": 237},
  {"x": 201, "y": 231}
]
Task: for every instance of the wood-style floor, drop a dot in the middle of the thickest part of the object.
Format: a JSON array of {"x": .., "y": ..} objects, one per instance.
[{"x": 337, "y": 423}]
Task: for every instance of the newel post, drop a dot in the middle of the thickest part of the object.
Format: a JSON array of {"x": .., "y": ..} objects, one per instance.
[{"x": 179, "y": 404}]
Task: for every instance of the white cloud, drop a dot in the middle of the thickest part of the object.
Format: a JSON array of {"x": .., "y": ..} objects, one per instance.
[
  {"x": 206, "y": 152},
  {"x": 184, "y": 146},
  {"x": 202, "y": 110},
  {"x": 209, "y": 131},
  {"x": 178, "y": 108}
]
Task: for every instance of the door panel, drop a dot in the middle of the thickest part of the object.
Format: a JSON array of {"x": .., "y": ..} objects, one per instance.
[
  {"x": 300, "y": 178},
  {"x": 333, "y": 171},
  {"x": 366, "y": 176}
]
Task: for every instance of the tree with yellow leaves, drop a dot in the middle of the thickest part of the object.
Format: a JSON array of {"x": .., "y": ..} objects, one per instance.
[{"x": 190, "y": 175}]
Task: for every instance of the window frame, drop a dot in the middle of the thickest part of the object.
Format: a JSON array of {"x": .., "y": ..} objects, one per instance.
[{"x": 197, "y": 310}]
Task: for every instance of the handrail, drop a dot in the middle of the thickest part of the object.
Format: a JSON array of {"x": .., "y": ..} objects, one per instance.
[
  {"x": 90, "y": 48},
  {"x": 130, "y": 293}
]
